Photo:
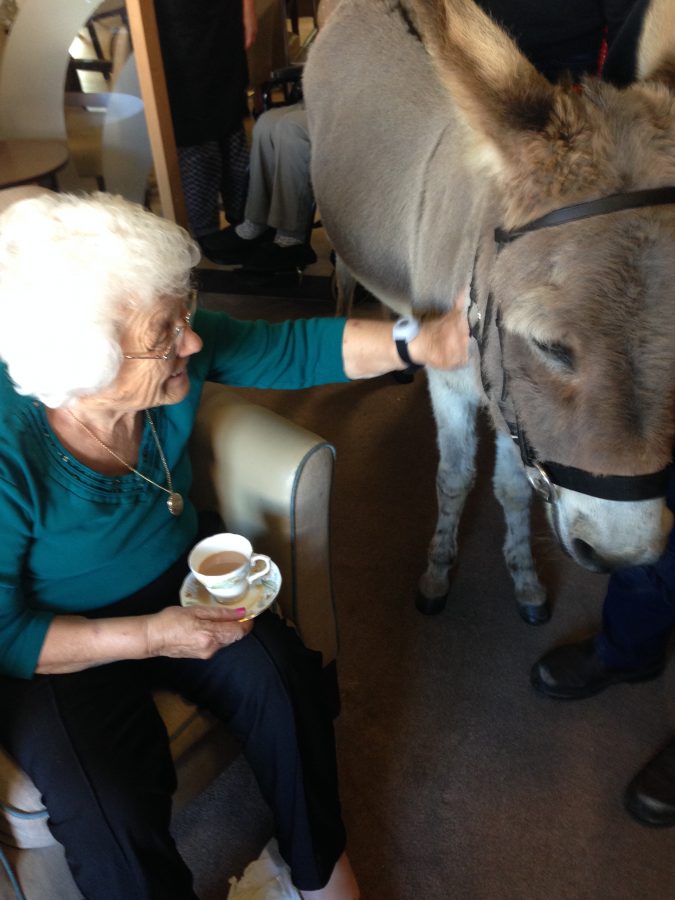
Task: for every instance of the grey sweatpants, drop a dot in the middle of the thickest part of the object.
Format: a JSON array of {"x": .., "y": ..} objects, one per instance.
[{"x": 280, "y": 192}]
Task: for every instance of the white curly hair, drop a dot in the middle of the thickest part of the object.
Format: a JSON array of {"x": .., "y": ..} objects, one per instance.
[{"x": 70, "y": 266}]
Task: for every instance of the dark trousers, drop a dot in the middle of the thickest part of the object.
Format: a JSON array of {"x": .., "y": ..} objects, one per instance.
[
  {"x": 639, "y": 610},
  {"x": 97, "y": 749}
]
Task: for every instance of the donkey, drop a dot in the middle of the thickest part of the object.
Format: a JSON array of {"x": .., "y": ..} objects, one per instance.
[{"x": 441, "y": 159}]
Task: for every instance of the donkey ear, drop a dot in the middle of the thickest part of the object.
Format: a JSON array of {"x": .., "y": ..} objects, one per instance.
[
  {"x": 495, "y": 86},
  {"x": 656, "y": 49}
]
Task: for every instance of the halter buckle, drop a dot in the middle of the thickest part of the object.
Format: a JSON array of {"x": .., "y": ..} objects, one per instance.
[{"x": 541, "y": 483}]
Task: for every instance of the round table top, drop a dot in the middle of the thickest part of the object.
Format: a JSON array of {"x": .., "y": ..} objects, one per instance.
[{"x": 23, "y": 161}]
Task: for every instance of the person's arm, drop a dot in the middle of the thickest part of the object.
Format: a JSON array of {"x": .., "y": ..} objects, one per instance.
[
  {"x": 303, "y": 353},
  {"x": 250, "y": 23},
  {"x": 73, "y": 643},
  {"x": 368, "y": 348}
]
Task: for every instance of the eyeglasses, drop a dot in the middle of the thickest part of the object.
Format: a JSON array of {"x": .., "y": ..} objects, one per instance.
[{"x": 179, "y": 332}]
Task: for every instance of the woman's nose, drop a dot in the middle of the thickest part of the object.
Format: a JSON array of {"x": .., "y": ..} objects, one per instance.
[{"x": 191, "y": 343}]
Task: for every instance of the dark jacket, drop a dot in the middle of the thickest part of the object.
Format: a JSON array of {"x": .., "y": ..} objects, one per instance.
[
  {"x": 566, "y": 35},
  {"x": 202, "y": 44}
]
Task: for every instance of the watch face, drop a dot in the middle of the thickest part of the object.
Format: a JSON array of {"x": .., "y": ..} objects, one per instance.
[{"x": 406, "y": 329}]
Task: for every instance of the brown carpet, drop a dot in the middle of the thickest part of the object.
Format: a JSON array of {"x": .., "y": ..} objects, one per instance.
[{"x": 458, "y": 782}]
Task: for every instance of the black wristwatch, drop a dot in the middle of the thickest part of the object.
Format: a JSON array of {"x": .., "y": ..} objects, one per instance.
[{"x": 405, "y": 330}]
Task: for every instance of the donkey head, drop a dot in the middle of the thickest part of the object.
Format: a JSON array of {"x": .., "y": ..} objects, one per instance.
[{"x": 586, "y": 309}]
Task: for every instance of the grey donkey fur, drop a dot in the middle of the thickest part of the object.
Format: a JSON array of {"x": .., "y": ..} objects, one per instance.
[{"x": 428, "y": 130}]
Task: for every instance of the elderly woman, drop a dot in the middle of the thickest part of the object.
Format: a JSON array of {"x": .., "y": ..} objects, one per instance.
[{"x": 104, "y": 358}]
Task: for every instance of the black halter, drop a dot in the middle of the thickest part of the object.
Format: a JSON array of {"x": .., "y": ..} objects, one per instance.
[
  {"x": 613, "y": 203},
  {"x": 543, "y": 474}
]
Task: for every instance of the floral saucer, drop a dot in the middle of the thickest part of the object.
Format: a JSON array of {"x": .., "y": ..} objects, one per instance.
[{"x": 258, "y": 597}]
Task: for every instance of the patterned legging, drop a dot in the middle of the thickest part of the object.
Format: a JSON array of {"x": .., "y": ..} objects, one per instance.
[{"x": 216, "y": 169}]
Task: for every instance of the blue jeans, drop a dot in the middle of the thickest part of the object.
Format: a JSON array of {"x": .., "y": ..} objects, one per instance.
[{"x": 639, "y": 610}]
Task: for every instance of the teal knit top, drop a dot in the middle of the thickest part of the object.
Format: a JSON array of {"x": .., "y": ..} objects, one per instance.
[{"x": 75, "y": 540}]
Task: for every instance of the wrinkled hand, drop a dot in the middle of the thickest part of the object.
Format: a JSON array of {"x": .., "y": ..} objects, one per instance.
[
  {"x": 250, "y": 24},
  {"x": 195, "y": 632},
  {"x": 443, "y": 343}
]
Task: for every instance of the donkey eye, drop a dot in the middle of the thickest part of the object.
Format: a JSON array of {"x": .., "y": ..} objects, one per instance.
[{"x": 555, "y": 353}]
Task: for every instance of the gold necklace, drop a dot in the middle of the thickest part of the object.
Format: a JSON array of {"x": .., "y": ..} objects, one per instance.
[{"x": 175, "y": 502}]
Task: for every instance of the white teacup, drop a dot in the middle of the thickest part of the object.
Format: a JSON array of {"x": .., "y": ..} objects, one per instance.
[{"x": 226, "y": 565}]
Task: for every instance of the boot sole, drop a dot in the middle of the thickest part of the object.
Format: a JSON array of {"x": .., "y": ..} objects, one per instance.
[{"x": 583, "y": 692}]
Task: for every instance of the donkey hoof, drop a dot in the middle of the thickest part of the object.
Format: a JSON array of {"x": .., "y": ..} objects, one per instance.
[
  {"x": 430, "y": 606},
  {"x": 535, "y": 613}
]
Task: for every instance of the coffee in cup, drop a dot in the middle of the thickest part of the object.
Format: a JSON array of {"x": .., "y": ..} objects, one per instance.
[
  {"x": 226, "y": 565},
  {"x": 222, "y": 562}
]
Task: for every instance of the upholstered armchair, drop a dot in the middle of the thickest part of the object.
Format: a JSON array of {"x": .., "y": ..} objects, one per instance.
[{"x": 270, "y": 480}]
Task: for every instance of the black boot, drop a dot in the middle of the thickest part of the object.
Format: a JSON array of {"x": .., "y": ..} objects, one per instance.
[
  {"x": 226, "y": 248},
  {"x": 576, "y": 671},
  {"x": 274, "y": 259},
  {"x": 650, "y": 797}
]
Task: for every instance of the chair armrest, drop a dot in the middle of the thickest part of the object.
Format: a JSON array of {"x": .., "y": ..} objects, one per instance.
[{"x": 271, "y": 480}]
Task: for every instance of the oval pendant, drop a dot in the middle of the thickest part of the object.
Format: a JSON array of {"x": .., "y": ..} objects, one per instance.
[{"x": 175, "y": 503}]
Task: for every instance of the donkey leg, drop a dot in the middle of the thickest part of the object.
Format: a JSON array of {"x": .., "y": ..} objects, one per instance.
[
  {"x": 513, "y": 491},
  {"x": 344, "y": 285},
  {"x": 455, "y": 414}
]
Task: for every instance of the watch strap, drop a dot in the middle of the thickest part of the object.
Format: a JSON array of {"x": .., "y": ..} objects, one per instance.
[{"x": 402, "y": 347}]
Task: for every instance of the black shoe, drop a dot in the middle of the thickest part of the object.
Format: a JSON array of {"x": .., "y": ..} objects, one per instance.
[
  {"x": 650, "y": 797},
  {"x": 576, "y": 671},
  {"x": 226, "y": 248},
  {"x": 273, "y": 258}
]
